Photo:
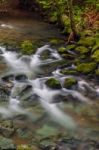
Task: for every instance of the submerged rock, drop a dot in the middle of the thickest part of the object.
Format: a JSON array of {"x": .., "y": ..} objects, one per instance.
[
  {"x": 6, "y": 144},
  {"x": 21, "y": 77},
  {"x": 53, "y": 83}
]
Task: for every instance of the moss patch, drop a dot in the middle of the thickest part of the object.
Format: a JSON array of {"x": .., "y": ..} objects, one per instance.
[
  {"x": 95, "y": 55},
  {"x": 87, "y": 42},
  {"x": 86, "y": 67},
  {"x": 68, "y": 72},
  {"x": 69, "y": 82},
  {"x": 53, "y": 83},
  {"x": 27, "y": 47},
  {"x": 82, "y": 49}
]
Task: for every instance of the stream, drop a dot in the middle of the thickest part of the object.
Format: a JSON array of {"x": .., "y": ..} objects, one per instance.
[{"x": 30, "y": 112}]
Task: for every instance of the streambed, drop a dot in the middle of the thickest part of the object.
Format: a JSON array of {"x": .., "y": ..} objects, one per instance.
[{"x": 29, "y": 110}]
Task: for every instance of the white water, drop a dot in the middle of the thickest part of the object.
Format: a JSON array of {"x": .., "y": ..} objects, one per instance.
[{"x": 46, "y": 96}]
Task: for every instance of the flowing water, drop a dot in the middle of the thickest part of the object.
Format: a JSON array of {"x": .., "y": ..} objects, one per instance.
[{"x": 33, "y": 106}]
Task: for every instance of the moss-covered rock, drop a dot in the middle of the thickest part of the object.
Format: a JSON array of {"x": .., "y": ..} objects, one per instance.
[
  {"x": 56, "y": 41},
  {"x": 70, "y": 47},
  {"x": 95, "y": 47},
  {"x": 62, "y": 50},
  {"x": 87, "y": 42},
  {"x": 25, "y": 147},
  {"x": 53, "y": 83},
  {"x": 97, "y": 72},
  {"x": 86, "y": 33},
  {"x": 86, "y": 67},
  {"x": 82, "y": 49},
  {"x": 27, "y": 47},
  {"x": 95, "y": 55},
  {"x": 68, "y": 71},
  {"x": 69, "y": 82}
]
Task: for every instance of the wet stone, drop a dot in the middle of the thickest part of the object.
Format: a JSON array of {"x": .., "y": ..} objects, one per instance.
[
  {"x": 21, "y": 78},
  {"x": 8, "y": 78},
  {"x": 6, "y": 144}
]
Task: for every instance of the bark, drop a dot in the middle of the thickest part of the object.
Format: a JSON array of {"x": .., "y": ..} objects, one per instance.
[{"x": 71, "y": 16}]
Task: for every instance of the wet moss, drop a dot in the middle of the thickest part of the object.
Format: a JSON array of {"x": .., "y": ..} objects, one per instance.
[
  {"x": 87, "y": 42},
  {"x": 86, "y": 67},
  {"x": 68, "y": 72},
  {"x": 28, "y": 47},
  {"x": 82, "y": 49},
  {"x": 53, "y": 83},
  {"x": 69, "y": 82},
  {"x": 95, "y": 55},
  {"x": 95, "y": 47},
  {"x": 62, "y": 50}
]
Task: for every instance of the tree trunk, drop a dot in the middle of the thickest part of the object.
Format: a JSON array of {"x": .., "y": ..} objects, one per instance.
[{"x": 71, "y": 16}]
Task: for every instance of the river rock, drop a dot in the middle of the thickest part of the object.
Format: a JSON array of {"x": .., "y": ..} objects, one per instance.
[
  {"x": 21, "y": 78},
  {"x": 53, "y": 83},
  {"x": 4, "y": 93},
  {"x": 6, "y": 144},
  {"x": 7, "y": 78}
]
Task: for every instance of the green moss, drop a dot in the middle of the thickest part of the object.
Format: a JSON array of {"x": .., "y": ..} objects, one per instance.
[
  {"x": 62, "y": 50},
  {"x": 68, "y": 72},
  {"x": 53, "y": 83},
  {"x": 95, "y": 55},
  {"x": 86, "y": 33},
  {"x": 69, "y": 82},
  {"x": 70, "y": 47},
  {"x": 97, "y": 72},
  {"x": 56, "y": 41},
  {"x": 86, "y": 67},
  {"x": 82, "y": 49},
  {"x": 27, "y": 47},
  {"x": 95, "y": 47},
  {"x": 24, "y": 147},
  {"x": 87, "y": 42}
]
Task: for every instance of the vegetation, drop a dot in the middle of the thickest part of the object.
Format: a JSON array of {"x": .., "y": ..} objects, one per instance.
[
  {"x": 69, "y": 82},
  {"x": 27, "y": 47},
  {"x": 53, "y": 83}
]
